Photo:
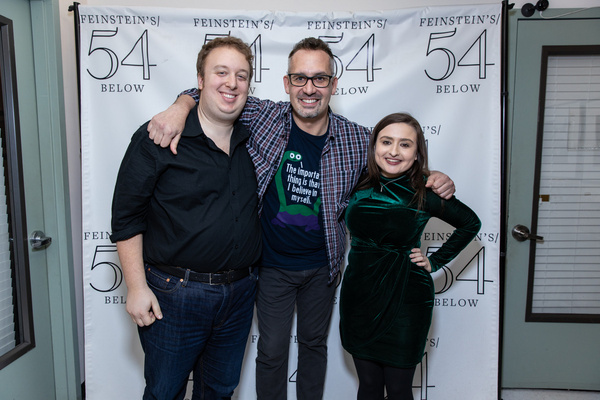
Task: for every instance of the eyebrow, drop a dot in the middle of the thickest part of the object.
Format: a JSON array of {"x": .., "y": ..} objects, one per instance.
[
  {"x": 228, "y": 68},
  {"x": 303, "y": 74},
  {"x": 318, "y": 73},
  {"x": 391, "y": 138}
]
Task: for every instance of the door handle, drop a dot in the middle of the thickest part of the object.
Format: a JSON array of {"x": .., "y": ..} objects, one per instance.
[
  {"x": 39, "y": 240},
  {"x": 521, "y": 233}
]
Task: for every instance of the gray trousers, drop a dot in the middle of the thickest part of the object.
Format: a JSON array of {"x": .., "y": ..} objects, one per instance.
[{"x": 279, "y": 291}]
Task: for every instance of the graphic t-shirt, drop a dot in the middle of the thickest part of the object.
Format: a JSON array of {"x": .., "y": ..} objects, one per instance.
[{"x": 291, "y": 220}]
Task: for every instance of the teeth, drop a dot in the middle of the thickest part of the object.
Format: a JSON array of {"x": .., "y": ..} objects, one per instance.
[
  {"x": 228, "y": 96},
  {"x": 310, "y": 101}
]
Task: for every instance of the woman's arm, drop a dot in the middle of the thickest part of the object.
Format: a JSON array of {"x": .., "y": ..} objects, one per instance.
[{"x": 462, "y": 218}]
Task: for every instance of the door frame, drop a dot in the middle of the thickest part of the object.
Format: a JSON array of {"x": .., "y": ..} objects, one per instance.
[
  {"x": 55, "y": 189},
  {"x": 15, "y": 199},
  {"x": 55, "y": 212}
]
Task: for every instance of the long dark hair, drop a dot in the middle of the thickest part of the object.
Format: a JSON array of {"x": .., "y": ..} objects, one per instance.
[{"x": 417, "y": 171}]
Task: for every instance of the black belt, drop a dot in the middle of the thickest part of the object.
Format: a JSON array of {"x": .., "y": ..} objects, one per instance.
[{"x": 214, "y": 278}]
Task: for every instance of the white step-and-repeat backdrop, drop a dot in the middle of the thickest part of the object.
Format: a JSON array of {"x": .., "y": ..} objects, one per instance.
[{"x": 442, "y": 64}]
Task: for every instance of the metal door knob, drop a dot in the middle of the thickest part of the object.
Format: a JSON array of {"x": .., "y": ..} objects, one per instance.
[
  {"x": 521, "y": 233},
  {"x": 39, "y": 240}
]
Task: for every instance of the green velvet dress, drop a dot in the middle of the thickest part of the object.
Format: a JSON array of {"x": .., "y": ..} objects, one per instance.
[{"x": 386, "y": 301}]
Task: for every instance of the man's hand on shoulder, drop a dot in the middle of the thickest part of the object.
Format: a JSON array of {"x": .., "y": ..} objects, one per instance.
[
  {"x": 441, "y": 184},
  {"x": 165, "y": 127}
]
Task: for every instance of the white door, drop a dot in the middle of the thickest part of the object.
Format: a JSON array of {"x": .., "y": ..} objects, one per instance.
[
  {"x": 561, "y": 355},
  {"x": 45, "y": 367}
]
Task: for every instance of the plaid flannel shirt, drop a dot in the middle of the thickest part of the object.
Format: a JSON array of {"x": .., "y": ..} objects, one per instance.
[{"x": 343, "y": 160}]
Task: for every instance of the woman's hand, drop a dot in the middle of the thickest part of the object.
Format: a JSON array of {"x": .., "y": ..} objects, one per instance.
[{"x": 418, "y": 258}]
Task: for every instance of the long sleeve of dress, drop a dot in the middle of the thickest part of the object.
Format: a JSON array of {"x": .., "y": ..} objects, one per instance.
[{"x": 461, "y": 217}]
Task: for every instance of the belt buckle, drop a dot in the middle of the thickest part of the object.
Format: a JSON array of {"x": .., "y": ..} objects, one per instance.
[{"x": 210, "y": 275}]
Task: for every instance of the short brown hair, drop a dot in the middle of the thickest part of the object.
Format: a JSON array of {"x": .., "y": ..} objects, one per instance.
[
  {"x": 313, "y": 44},
  {"x": 224, "y": 41}
]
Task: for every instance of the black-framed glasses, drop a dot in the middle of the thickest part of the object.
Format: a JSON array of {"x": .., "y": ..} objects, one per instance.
[{"x": 320, "y": 81}]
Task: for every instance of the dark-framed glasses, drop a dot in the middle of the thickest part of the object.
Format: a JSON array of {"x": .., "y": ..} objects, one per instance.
[{"x": 320, "y": 81}]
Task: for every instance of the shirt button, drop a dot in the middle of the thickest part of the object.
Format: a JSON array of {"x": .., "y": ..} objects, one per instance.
[
  {"x": 236, "y": 247},
  {"x": 233, "y": 193}
]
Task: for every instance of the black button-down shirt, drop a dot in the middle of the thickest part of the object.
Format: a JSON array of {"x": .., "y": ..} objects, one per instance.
[{"x": 196, "y": 209}]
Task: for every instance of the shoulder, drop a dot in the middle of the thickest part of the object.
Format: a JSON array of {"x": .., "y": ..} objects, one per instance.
[
  {"x": 257, "y": 112},
  {"x": 192, "y": 124},
  {"x": 141, "y": 144},
  {"x": 344, "y": 126},
  {"x": 361, "y": 194},
  {"x": 140, "y": 134},
  {"x": 255, "y": 102},
  {"x": 240, "y": 129}
]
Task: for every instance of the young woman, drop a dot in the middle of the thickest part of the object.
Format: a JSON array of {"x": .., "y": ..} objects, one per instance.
[{"x": 387, "y": 292}]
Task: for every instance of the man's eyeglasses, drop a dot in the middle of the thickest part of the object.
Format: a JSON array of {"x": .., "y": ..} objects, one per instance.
[{"x": 320, "y": 81}]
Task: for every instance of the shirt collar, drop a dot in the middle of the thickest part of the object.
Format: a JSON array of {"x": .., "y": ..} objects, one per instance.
[
  {"x": 330, "y": 131},
  {"x": 193, "y": 128}
]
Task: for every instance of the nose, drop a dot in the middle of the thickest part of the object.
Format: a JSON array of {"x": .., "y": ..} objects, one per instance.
[
  {"x": 231, "y": 81},
  {"x": 309, "y": 88}
]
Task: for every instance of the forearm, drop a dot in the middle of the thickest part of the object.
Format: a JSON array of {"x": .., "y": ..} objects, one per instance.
[
  {"x": 177, "y": 112},
  {"x": 186, "y": 101},
  {"x": 467, "y": 225},
  {"x": 142, "y": 304},
  {"x": 131, "y": 256},
  {"x": 194, "y": 93}
]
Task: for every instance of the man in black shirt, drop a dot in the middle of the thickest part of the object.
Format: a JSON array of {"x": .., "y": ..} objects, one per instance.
[{"x": 188, "y": 236}]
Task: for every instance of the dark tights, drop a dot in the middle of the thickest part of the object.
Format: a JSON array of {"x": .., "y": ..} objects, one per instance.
[{"x": 373, "y": 377}]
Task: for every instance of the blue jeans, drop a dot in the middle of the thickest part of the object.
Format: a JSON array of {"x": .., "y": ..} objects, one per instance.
[
  {"x": 204, "y": 329},
  {"x": 279, "y": 292}
]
